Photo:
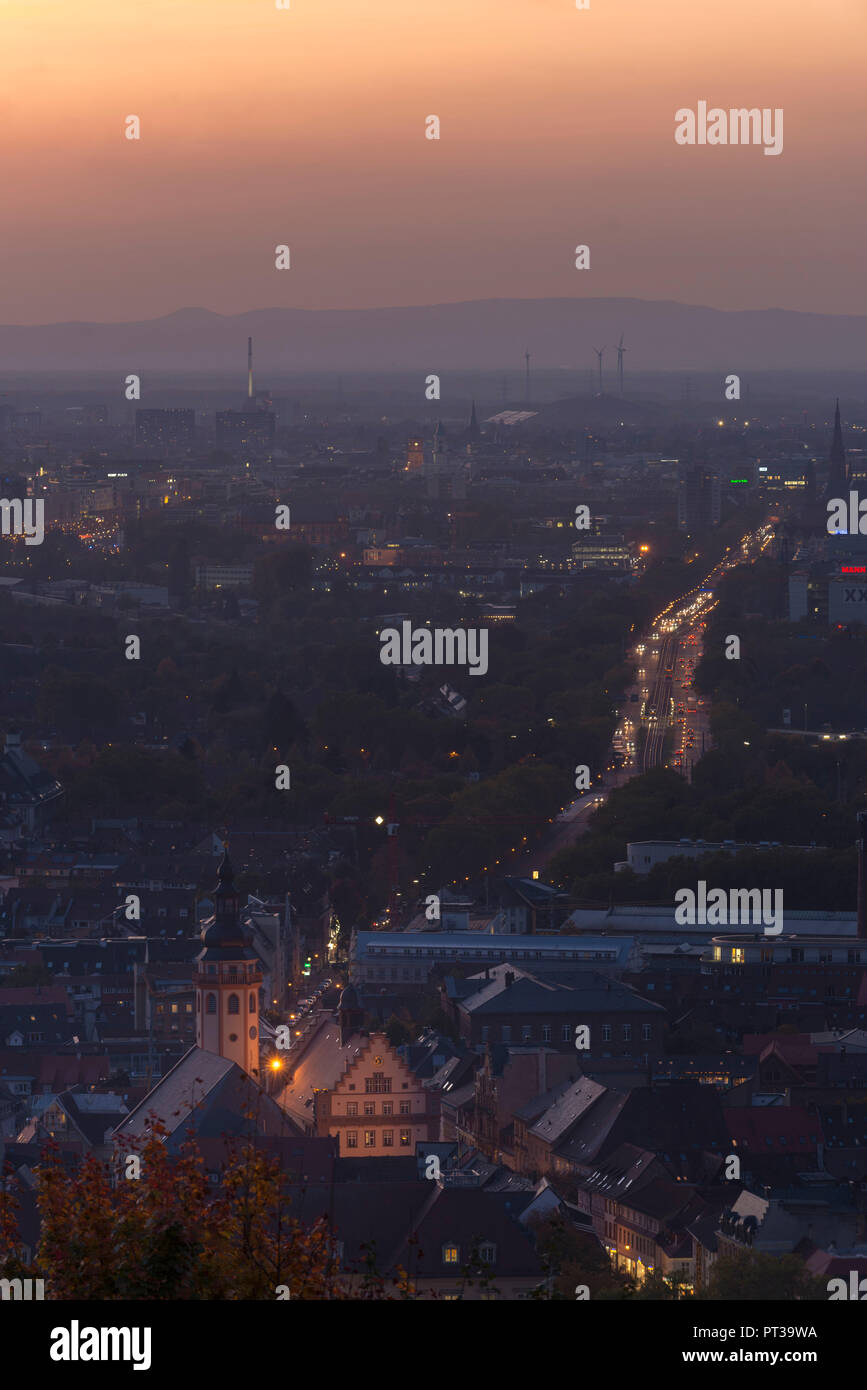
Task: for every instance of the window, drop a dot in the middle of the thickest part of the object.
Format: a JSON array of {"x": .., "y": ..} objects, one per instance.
[
  {"x": 252, "y": 1003},
  {"x": 627, "y": 1032},
  {"x": 485, "y": 1032},
  {"x": 370, "y": 1138},
  {"x": 451, "y": 1254},
  {"x": 377, "y": 1085},
  {"x": 526, "y": 1033},
  {"x": 370, "y": 1107},
  {"x": 352, "y": 1139},
  {"x": 546, "y": 1032},
  {"x": 234, "y": 1004},
  {"x": 646, "y": 1032},
  {"x": 606, "y": 1032},
  {"x": 565, "y": 1033},
  {"x": 352, "y": 1107},
  {"x": 487, "y": 1253},
  {"x": 405, "y": 1107},
  {"x": 506, "y": 1032},
  {"x": 175, "y": 1008},
  {"x": 211, "y": 1004},
  {"x": 404, "y": 1138},
  {"x": 388, "y": 1138},
  {"x": 387, "y": 1107}
]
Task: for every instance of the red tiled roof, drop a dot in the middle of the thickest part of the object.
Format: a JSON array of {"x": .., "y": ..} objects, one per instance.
[{"x": 752, "y": 1128}]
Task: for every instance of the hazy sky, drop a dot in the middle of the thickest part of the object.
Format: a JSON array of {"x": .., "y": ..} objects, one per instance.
[{"x": 306, "y": 127}]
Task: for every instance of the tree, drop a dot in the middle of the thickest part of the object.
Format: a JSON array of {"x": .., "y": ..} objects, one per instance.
[
  {"x": 282, "y": 724},
  {"x": 165, "y": 1234},
  {"x": 397, "y": 1032},
  {"x": 279, "y": 572},
  {"x": 575, "y": 1258},
  {"x": 752, "y": 1276}
]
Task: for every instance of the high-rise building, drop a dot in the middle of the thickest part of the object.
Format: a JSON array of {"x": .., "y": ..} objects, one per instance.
[
  {"x": 699, "y": 499},
  {"x": 247, "y": 433},
  {"x": 838, "y": 476},
  {"x": 438, "y": 462},
  {"x": 165, "y": 429}
]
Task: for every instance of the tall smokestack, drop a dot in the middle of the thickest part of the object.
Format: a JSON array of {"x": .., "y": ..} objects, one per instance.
[
  {"x": 249, "y": 369},
  {"x": 862, "y": 878}
]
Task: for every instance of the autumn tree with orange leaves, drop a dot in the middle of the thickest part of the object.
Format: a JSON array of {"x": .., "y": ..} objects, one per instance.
[{"x": 168, "y": 1235}]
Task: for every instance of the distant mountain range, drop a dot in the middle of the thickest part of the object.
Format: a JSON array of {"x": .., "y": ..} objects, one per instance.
[{"x": 485, "y": 334}]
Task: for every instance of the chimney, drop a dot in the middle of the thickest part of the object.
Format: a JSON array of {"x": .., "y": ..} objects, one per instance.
[{"x": 862, "y": 881}]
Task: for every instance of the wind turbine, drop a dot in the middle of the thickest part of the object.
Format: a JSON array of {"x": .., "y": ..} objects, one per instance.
[
  {"x": 620, "y": 351},
  {"x": 599, "y": 352}
]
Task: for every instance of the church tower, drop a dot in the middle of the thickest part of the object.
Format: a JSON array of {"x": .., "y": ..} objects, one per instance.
[{"x": 228, "y": 976}]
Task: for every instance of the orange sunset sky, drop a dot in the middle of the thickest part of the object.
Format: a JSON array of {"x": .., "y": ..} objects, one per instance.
[{"x": 306, "y": 127}]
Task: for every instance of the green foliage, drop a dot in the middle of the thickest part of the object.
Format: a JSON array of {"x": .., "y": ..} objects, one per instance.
[{"x": 751, "y": 1276}]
